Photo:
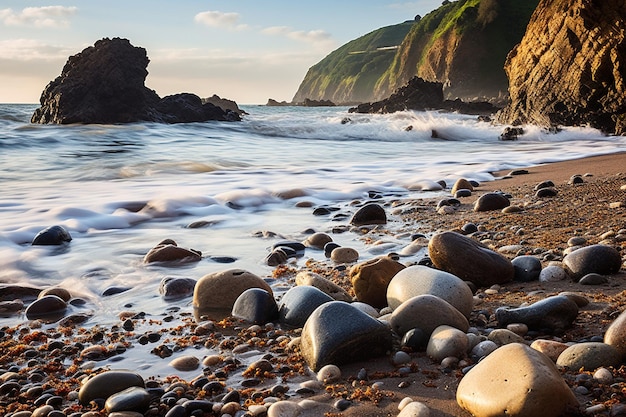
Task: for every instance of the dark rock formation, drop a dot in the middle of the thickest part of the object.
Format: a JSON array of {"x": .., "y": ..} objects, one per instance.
[
  {"x": 569, "y": 67},
  {"x": 306, "y": 103},
  {"x": 224, "y": 104},
  {"x": 419, "y": 94},
  {"x": 105, "y": 84}
]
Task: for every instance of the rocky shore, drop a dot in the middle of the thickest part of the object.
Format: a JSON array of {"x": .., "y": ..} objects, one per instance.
[{"x": 527, "y": 325}]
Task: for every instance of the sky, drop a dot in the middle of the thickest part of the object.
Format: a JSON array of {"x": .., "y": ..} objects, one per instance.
[{"x": 247, "y": 51}]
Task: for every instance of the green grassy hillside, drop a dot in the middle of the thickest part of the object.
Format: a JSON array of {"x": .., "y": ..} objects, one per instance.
[
  {"x": 350, "y": 73},
  {"x": 462, "y": 44}
]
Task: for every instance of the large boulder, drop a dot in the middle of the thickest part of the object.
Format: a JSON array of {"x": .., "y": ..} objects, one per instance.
[
  {"x": 515, "y": 380},
  {"x": 105, "y": 84},
  {"x": 469, "y": 260},
  {"x": 569, "y": 67}
]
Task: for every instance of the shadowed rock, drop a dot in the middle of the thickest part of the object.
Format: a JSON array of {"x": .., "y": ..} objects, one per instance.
[
  {"x": 553, "y": 313},
  {"x": 105, "y": 84}
]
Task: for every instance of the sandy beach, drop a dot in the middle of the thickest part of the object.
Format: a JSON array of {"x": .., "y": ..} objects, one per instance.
[{"x": 594, "y": 209}]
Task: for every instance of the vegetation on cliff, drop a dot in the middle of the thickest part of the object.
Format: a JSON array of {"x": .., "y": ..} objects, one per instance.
[
  {"x": 350, "y": 73},
  {"x": 462, "y": 44}
]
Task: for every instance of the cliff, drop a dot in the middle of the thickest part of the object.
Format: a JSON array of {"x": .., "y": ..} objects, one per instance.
[
  {"x": 462, "y": 44},
  {"x": 569, "y": 69},
  {"x": 350, "y": 73}
]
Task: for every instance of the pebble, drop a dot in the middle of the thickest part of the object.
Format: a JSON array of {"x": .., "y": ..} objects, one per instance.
[
  {"x": 400, "y": 358},
  {"x": 515, "y": 380},
  {"x": 371, "y": 278},
  {"x": 48, "y": 308},
  {"x": 527, "y": 268},
  {"x": 483, "y": 348},
  {"x": 553, "y": 273},
  {"x": 426, "y": 312},
  {"x": 219, "y": 290},
  {"x": 255, "y": 305},
  {"x": 504, "y": 337},
  {"x": 105, "y": 384},
  {"x": 589, "y": 356},
  {"x": 344, "y": 255},
  {"x": 599, "y": 259},
  {"x": 329, "y": 374},
  {"x": 172, "y": 288},
  {"x": 461, "y": 184},
  {"x": 169, "y": 251},
  {"x": 52, "y": 236},
  {"x": 555, "y": 313},
  {"x": 298, "y": 303},
  {"x": 603, "y": 376},
  {"x": 325, "y": 285},
  {"x": 421, "y": 280},
  {"x": 185, "y": 363},
  {"x": 447, "y": 341},
  {"x": 317, "y": 240},
  {"x": 593, "y": 279},
  {"x": 131, "y": 399},
  {"x": 369, "y": 214},
  {"x": 615, "y": 334},
  {"x": 335, "y": 328},
  {"x": 284, "y": 409},
  {"x": 491, "y": 201},
  {"x": 415, "y": 409},
  {"x": 469, "y": 260}
]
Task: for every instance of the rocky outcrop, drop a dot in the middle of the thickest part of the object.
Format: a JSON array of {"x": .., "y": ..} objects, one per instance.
[
  {"x": 105, "y": 84},
  {"x": 420, "y": 95},
  {"x": 569, "y": 67},
  {"x": 224, "y": 104}
]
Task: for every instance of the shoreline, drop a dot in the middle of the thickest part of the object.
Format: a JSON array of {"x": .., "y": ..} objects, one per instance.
[{"x": 547, "y": 224}]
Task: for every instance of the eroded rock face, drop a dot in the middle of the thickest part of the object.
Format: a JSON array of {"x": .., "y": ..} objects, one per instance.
[
  {"x": 569, "y": 67},
  {"x": 105, "y": 84}
]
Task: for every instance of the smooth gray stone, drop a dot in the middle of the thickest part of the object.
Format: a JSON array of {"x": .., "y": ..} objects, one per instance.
[
  {"x": 130, "y": 399},
  {"x": 590, "y": 356},
  {"x": 527, "y": 268},
  {"x": 599, "y": 259},
  {"x": 298, "y": 303},
  {"x": 421, "y": 280},
  {"x": 553, "y": 313},
  {"x": 255, "y": 305},
  {"x": 338, "y": 333},
  {"x": 108, "y": 383},
  {"x": 173, "y": 288},
  {"x": 426, "y": 312},
  {"x": 593, "y": 279}
]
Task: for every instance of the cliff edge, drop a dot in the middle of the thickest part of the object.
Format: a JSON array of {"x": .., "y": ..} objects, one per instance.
[{"x": 570, "y": 67}]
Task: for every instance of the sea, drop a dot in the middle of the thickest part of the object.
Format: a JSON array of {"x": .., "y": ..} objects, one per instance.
[{"x": 88, "y": 179}]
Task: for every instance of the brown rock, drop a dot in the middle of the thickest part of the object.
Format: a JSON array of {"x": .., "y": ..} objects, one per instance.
[
  {"x": 491, "y": 201},
  {"x": 369, "y": 214},
  {"x": 461, "y": 184},
  {"x": 568, "y": 68},
  {"x": 616, "y": 334},
  {"x": 518, "y": 381},
  {"x": 469, "y": 259},
  {"x": 371, "y": 278},
  {"x": 326, "y": 286},
  {"x": 168, "y": 251},
  {"x": 219, "y": 291}
]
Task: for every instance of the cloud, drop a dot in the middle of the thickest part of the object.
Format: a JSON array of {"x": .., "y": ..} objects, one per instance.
[
  {"x": 318, "y": 38},
  {"x": 218, "y": 19},
  {"x": 29, "y": 50},
  {"x": 40, "y": 17}
]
